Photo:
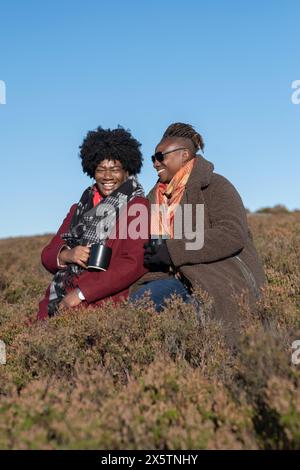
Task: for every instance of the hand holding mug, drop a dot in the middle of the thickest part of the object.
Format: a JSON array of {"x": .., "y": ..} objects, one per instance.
[{"x": 77, "y": 255}]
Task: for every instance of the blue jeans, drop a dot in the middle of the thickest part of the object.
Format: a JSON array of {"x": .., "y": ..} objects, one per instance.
[{"x": 162, "y": 289}]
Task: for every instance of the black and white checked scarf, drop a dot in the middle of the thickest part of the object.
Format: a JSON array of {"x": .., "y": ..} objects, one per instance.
[{"x": 90, "y": 225}]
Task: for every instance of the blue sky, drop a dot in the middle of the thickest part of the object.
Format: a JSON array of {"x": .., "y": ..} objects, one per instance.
[{"x": 224, "y": 66}]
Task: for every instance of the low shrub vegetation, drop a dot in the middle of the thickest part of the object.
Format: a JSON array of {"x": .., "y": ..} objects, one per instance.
[{"x": 126, "y": 377}]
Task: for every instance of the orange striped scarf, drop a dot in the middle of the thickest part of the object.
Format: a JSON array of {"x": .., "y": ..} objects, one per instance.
[{"x": 167, "y": 197}]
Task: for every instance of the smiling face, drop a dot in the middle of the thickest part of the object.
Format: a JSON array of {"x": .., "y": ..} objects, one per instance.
[
  {"x": 109, "y": 176},
  {"x": 173, "y": 161}
]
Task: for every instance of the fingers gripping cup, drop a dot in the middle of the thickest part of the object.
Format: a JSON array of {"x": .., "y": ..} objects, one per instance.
[{"x": 100, "y": 256}]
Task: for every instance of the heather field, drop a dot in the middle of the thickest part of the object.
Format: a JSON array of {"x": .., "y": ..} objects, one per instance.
[{"x": 128, "y": 378}]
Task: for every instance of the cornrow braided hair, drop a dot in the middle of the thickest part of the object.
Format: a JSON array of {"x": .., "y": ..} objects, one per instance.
[{"x": 179, "y": 129}]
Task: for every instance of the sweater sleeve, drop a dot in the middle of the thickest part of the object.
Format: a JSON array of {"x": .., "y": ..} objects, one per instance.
[
  {"x": 50, "y": 253},
  {"x": 125, "y": 268},
  {"x": 227, "y": 234}
]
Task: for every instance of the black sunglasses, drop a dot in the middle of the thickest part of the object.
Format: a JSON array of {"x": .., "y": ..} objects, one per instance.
[{"x": 159, "y": 156}]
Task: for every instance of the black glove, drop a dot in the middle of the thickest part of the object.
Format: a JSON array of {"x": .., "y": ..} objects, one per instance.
[{"x": 157, "y": 258}]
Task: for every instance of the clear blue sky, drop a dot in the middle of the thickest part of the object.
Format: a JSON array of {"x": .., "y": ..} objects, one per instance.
[{"x": 224, "y": 66}]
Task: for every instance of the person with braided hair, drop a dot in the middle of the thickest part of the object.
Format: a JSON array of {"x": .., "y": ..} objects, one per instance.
[
  {"x": 226, "y": 266},
  {"x": 186, "y": 131}
]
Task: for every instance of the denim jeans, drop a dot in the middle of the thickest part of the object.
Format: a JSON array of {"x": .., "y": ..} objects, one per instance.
[{"x": 162, "y": 289}]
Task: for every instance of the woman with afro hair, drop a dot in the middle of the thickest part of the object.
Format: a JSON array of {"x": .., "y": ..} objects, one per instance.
[{"x": 113, "y": 159}]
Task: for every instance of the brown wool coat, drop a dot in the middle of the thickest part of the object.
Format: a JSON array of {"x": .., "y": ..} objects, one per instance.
[{"x": 227, "y": 265}]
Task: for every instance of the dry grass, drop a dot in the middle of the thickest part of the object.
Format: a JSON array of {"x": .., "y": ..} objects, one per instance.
[{"x": 128, "y": 378}]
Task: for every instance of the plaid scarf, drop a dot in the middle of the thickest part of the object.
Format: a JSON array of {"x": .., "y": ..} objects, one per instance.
[
  {"x": 167, "y": 198},
  {"x": 90, "y": 225}
]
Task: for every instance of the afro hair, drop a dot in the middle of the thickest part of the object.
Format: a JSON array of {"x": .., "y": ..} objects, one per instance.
[{"x": 110, "y": 144}]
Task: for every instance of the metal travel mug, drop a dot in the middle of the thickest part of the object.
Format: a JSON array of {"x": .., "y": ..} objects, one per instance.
[
  {"x": 100, "y": 256},
  {"x": 156, "y": 240}
]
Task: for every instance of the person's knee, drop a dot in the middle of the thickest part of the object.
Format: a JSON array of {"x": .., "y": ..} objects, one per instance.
[{"x": 161, "y": 290}]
